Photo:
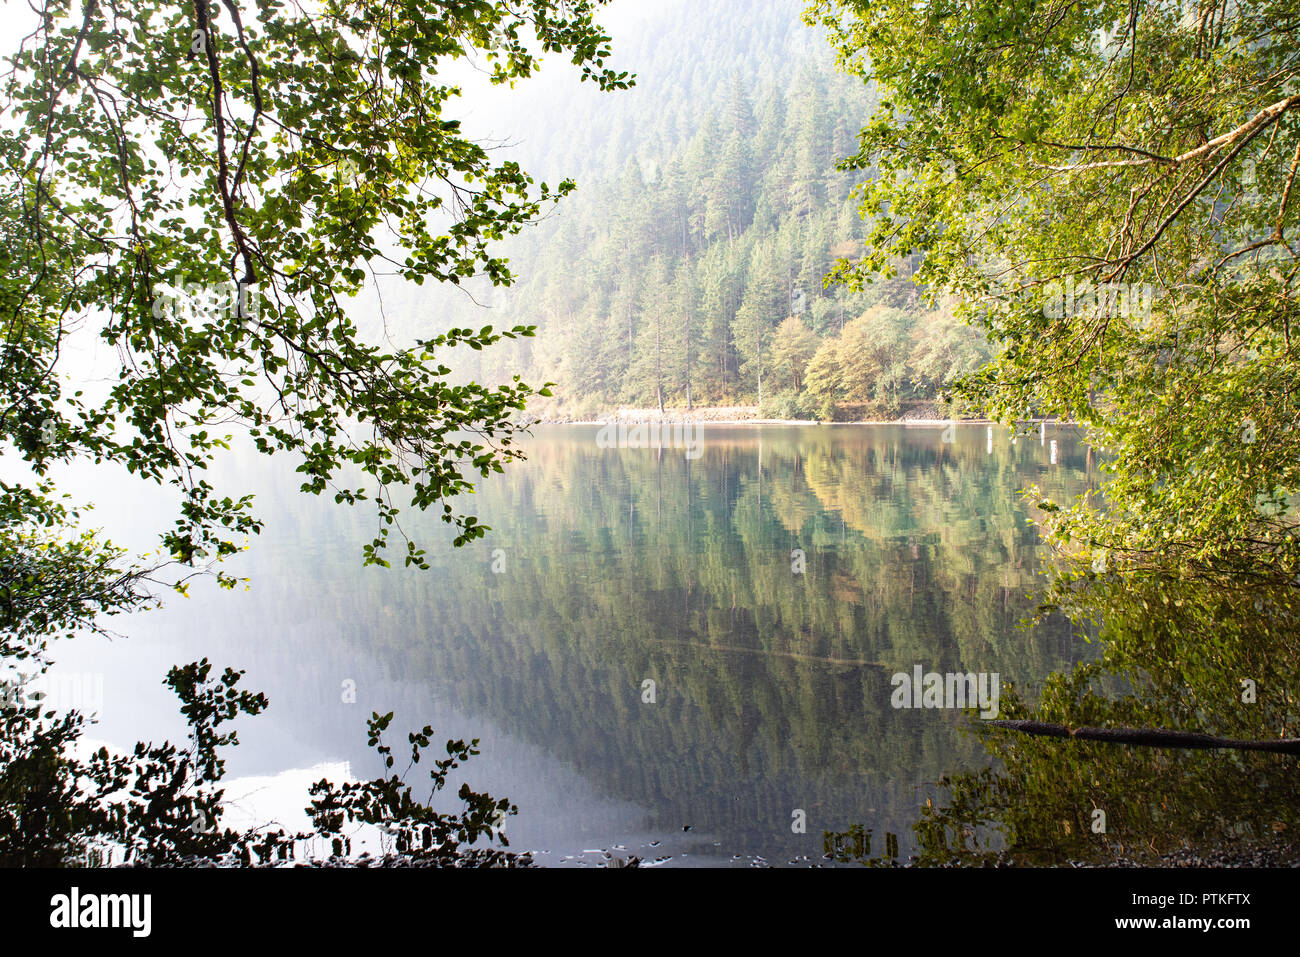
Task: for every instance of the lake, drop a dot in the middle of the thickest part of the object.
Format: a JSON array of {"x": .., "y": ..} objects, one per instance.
[{"x": 688, "y": 658}]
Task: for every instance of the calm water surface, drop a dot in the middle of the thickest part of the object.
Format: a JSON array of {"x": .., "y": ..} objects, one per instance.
[{"x": 608, "y": 568}]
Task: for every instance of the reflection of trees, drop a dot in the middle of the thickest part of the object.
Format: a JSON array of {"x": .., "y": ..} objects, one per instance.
[
  {"x": 773, "y": 687},
  {"x": 1176, "y": 656}
]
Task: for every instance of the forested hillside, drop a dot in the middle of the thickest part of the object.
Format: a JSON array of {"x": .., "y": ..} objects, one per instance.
[{"x": 688, "y": 268}]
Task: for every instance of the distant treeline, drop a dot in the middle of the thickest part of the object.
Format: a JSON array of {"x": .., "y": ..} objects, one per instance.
[{"x": 696, "y": 277}]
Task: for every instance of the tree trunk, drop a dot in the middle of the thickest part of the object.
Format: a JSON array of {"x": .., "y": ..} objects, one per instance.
[{"x": 1151, "y": 737}]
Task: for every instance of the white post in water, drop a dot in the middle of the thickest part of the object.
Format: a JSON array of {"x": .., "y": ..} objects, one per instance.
[
  {"x": 1053, "y": 451},
  {"x": 1042, "y": 431},
  {"x": 990, "y": 446}
]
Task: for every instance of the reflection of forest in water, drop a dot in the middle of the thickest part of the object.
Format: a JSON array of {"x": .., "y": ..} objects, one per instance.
[
  {"x": 772, "y": 687},
  {"x": 1208, "y": 655}
]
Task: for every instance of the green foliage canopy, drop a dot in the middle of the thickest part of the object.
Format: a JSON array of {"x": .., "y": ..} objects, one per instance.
[
  {"x": 270, "y": 158},
  {"x": 1107, "y": 187}
]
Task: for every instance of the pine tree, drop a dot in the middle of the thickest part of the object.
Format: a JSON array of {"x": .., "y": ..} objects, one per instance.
[
  {"x": 647, "y": 376},
  {"x": 683, "y": 334}
]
